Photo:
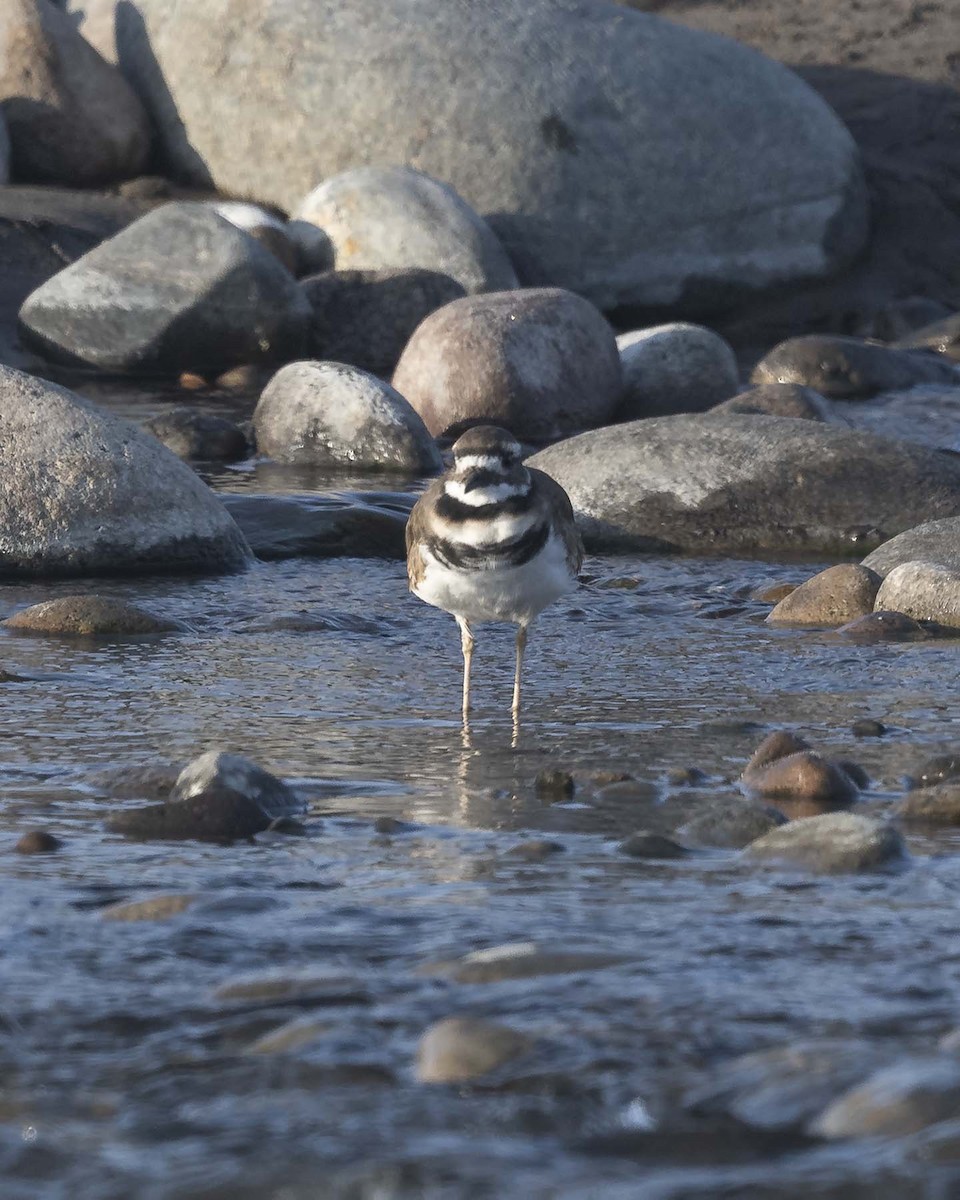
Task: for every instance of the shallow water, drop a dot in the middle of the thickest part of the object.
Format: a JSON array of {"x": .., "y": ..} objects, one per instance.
[{"x": 125, "y": 1075}]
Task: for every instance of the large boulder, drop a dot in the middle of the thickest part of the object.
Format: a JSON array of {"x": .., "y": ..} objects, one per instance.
[
  {"x": 541, "y": 362},
  {"x": 73, "y": 118},
  {"x": 747, "y": 484},
  {"x": 85, "y": 493},
  {"x": 933, "y": 541},
  {"x": 181, "y": 289},
  {"x": 383, "y": 217},
  {"x": 339, "y": 416},
  {"x": 613, "y": 153}
]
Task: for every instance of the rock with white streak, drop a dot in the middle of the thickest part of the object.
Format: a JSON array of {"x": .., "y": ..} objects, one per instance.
[{"x": 678, "y": 368}]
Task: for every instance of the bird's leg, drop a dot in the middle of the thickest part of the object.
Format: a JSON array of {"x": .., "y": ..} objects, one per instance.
[
  {"x": 467, "y": 644},
  {"x": 521, "y": 645}
]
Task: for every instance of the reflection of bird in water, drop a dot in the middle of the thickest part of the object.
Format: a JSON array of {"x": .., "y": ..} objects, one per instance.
[{"x": 492, "y": 540}]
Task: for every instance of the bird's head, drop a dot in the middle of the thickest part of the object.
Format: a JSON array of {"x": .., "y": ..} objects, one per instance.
[{"x": 487, "y": 467}]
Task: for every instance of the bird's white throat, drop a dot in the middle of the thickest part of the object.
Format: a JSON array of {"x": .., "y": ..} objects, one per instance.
[{"x": 494, "y": 493}]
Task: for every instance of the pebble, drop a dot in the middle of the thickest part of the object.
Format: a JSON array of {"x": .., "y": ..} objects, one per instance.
[
  {"x": 674, "y": 368},
  {"x": 938, "y": 804},
  {"x": 535, "y": 850},
  {"x": 202, "y": 437},
  {"x": 779, "y": 400},
  {"x": 554, "y": 784},
  {"x": 844, "y": 367},
  {"x": 520, "y": 960},
  {"x": 38, "y": 841},
  {"x": 89, "y": 616},
  {"x": 773, "y": 593},
  {"x": 835, "y": 596},
  {"x": 156, "y": 908},
  {"x": 292, "y": 1035},
  {"x": 832, "y": 843},
  {"x": 939, "y": 769},
  {"x": 730, "y": 823},
  {"x": 214, "y": 815},
  {"x": 644, "y": 844},
  {"x": 805, "y": 775},
  {"x": 686, "y": 776},
  {"x": 284, "y": 985},
  {"x": 883, "y": 627},
  {"x": 460, "y": 1049},
  {"x": 218, "y": 770},
  {"x": 896, "y": 1101},
  {"x": 868, "y": 727}
]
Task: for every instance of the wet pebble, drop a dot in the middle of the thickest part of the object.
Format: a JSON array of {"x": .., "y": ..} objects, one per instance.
[
  {"x": 884, "y": 627},
  {"x": 535, "y": 850},
  {"x": 314, "y": 622},
  {"x": 938, "y": 769},
  {"x": 88, "y": 616},
  {"x": 846, "y": 368},
  {"x": 555, "y": 784},
  {"x": 233, "y": 773},
  {"x": 783, "y": 767},
  {"x": 519, "y": 960},
  {"x": 38, "y": 841},
  {"x": 460, "y": 1049},
  {"x": 153, "y": 781},
  {"x": 867, "y": 727},
  {"x": 730, "y": 823},
  {"x": 203, "y": 437},
  {"x": 833, "y": 597},
  {"x": 315, "y": 986},
  {"x": 898, "y": 1100},
  {"x": 156, "y": 908},
  {"x": 833, "y": 843},
  {"x": 779, "y": 400},
  {"x": 938, "y": 804},
  {"x": 292, "y": 1035},
  {"x": 773, "y": 593},
  {"x": 686, "y": 776},
  {"x": 644, "y": 844},
  {"x": 213, "y": 815}
]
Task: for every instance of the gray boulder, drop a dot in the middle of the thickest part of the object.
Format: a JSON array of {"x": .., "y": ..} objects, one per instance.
[
  {"x": 395, "y": 217},
  {"x": 844, "y": 368},
  {"x": 923, "y": 590},
  {"x": 747, "y": 484},
  {"x": 235, "y": 773},
  {"x": 674, "y": 369},
  {"x": 334, "y": 415},
  {"x": 934, "y": 542},
  {"x": 181, "y": 289},
  {"x": 85, "y": 493},
  {"x": 615, "y": 154},
  {"x": 542, "y": 363},
  {"x": 366, "y": 318},
  {"x": 834, "y": 843},
  {"x": 73, "y": 119},
  {"x": 779, "y": 400},
  {"x": 204, "y": 437}
]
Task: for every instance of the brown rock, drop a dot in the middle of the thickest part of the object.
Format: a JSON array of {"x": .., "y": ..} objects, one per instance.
[
  {"x": 831, "y": 843},
  {"x": 88, "y": 616},
  {"x": 644, "y": 844},
  {"x": 156, "y": 908},
  {"x": 460, "y": 1049},
  {"x": 884, "y": 627},
  {"x": 778, "y": 400},
  {"x": 773, "y": 593},
  {"x": 38, "y": 841},
  {"x": 804, "y": 775},
  {"x": 834, "y": 597},
  {"x": 73, "y": 118},
  {"x": 936, "y": 805},
  {"x": 775, "y": 745}
]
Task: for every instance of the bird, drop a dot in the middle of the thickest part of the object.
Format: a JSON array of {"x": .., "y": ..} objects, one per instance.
[{"x": 492, "y": 540}]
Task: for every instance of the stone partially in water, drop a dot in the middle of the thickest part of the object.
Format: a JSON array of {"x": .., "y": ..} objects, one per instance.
[
  {"x": 541, "y": 362},
  {"x": 214, "y": 815},
  {"x": 939, "y": 769},
  {"x": 555, "y": 783},
  {"x": 843, "y": 367},
  {"x": 802, "y": 776},
  {"x": 938, "y": 804},
  {"x": 833, "y": 843},
  {"x": 933, "y": 541},
  {"x": 534, "y": 850},
  {"x": 775, "y": 745},
  {"x": 282, "y": 985},
  {"x": 89, "y": 616},
  {"x": 898, "y": 1100},
  {"x": 219, "y": 771},
  {"x": 203, "y": 437},
  {"x": 333, "y": 415},
  {"x": 747, "y": 485},
  {"x": 778, "y": 400},
  {"x": 773, "y": 593},
  {"x": 644, "y": 844},
  {"x": 112, "y": 500},
  {"x": 730, "y": 823},
  {"x": 520, "y": 960},
  {"x": 868, "y": 727},
  {"x": 835, "y": 596},
  {"x": 277, "y": 527},
  {"x": 884, "y": 627},
  {"x": 677, "y": 368},
  {"x": 305, "y": 621},
  {"x": 38, "y": 841},
  {"x": 923, "y": 590},
  {"x": 942, "y": 335},
  {"x": 460, "y": 1049},
  {"x": 155, "y": 908}
]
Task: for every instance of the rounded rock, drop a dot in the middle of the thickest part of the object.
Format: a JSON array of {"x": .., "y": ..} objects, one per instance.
[
  {"x": 38, "y": 841},
  {"x": 233, "y": 773},
  {"x": 844, "y": 368},
  {"x": 923, "y": 590},
  {"x": 832, "y": 843},
  {"x": 540, "y": 362},
  {"x": 880, "y": 626},
  {"x": 802, "y": 776},
  {"x": 677, "y": 368},
  {"x": 460, "y": 1049},
  {"x": 215, "y": 815},
  {"x": 89, "y": 616},
  {"x": 935, "y": 541},
  {"x": 366, "y": 318},
  {"x": 730, "y": 823},
  {"x": 396, "y": 217},
  {"x": 644, "y": 844},
  {"x": 334, "y": 415},
  {"x": 833, "y": 597},
  {"x": 938, "y": 804},
  {"x": 155, "y": 908},
  {"x": 201, "y": 437},
  {"x": 896, "y": 1101},
  {"x": 778, "y": 400}
]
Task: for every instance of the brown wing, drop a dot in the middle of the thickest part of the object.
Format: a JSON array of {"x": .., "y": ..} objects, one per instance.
[
  {"x": 565, "y": 525},
  {"x": 416, "y": 531}
]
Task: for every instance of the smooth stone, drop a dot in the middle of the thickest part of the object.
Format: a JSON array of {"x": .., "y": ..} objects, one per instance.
[
  {"x": 844, "y": 367},
  {"x": 520, "y": 960},
  {"x": 72, "y": 117},
  {"x": 181, "y": 289},
  {"x": 292, "y": 1035},
  {"x": 330, "y": 414},
  {"x": 868, "y": 727},
  {"x": 89, "y": 616},
  {"x": 785, "y": 1086},
  {"x": 897, "y": 1100},
  {"x": 616, "y": 154},
  {"x": 878, "y": 627},
  {"x": 832, "y": 843},
  {"x": 686, "y": 777},
  {"x": 730, "y": 823},
  {"x": 802, "y": 776},
  {"x": 677, "y": 368},
  {"x": 778, "y": 744},
  {"x": 935, "y": 541},
  {"x": 38, "y": 841},
  {"x": 778, "y": 400},
  {"x": 903, "y": 322},
  {"x": 314, "y": 622},
  {"x": 939, "y": 769},
  {"x": 286, "y": 985},
  {"x": 388, "y": 826},
  {"x": 541, "y": 362},
  {"x": 114, "y": 500},
  {"x": 555, "y": 783},
  {"x": 535, "y": 850},
  {"x": 366, "y": 318},
  {"x": 397, "y": 217},
  {"x": 747, "y": 485},
  {"x": 773, "y": 593},
  {"x": 277, "y": 527},
  {"x": 223, "y": 772},
  {"x": 644, "y": 844},
  {"x": 942, "y": 336},
  {"x": 217, "y": 816},
  {"x": 461, "y": 1049},
  {"x": 151, "y": 781},
  {"x": 937, "y": 804},
  {"x": 923, "y": 590},
  {"x": 203, "y": 437},
  {"x": 833, "y": 597},
  {"x": 156, "y": 908}
]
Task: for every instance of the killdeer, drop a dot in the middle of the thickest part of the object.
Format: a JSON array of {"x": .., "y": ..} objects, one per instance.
[{"x": 492, "y": 540}]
